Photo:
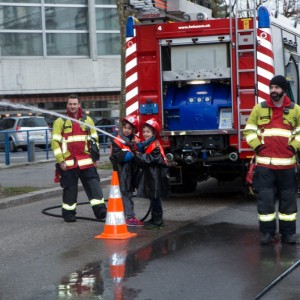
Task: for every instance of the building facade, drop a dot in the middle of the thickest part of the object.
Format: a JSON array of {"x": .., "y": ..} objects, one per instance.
[{"x": 52, "y": 48}]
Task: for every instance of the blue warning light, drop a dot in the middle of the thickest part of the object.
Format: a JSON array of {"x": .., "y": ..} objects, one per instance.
[
  {"x": 130, "y": 27},
  {"x": 263, "y": 17}
]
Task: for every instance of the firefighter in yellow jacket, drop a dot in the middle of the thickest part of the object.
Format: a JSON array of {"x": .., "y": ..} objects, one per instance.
[
  {"x": 71, "y": 145},
  {"x": 273, "y": 131}
]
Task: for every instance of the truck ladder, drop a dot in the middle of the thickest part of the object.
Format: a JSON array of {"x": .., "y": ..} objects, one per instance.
[{"x": 246, "y": 64}]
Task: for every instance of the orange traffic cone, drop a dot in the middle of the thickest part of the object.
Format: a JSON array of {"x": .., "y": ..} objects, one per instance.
[{"x": 115, "y": 226}]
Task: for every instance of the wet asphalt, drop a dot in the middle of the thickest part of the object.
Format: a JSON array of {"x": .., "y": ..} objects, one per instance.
[{"x": 209, "y": 249}]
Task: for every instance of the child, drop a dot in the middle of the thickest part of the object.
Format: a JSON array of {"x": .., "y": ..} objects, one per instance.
[
  {"x": 121, "y": 158},
  {"x": 153, "y": 179}
]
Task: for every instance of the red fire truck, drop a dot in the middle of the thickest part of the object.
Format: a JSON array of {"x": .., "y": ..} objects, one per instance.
[{"x": 200, "y": 77}]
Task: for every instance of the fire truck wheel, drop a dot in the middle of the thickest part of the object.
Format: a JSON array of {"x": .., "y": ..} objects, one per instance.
[{"x": 188, "y": 186}]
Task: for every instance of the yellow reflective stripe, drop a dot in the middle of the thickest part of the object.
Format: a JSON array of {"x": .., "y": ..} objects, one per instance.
[
  {"x": 291, "y": 217},
  {"x": 64, "y": 146},
  {"x": 57, "y": 137},
  {"x": 57, "y": 151},
  {"x": 76, "y": 138},
  {"x": 275, "y": 132},
  {"x": 115, "y": 218},
  {"x": 250, "y": 137},
  {"x": 276, "y": 161},
  {"x": 84, "y": 162},
  {"x": 96, "y": 201},
  {"x": 267, "y": 218},
  {"x": 69, "y": 207},
  {"x": 297, "y": 138},
  {"x": 297, "y": 130},
  {"x": 69, "y": 162},
  {"x": 250, "y": 127}
]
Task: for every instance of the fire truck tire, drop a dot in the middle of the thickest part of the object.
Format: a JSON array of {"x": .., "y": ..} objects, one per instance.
[{"x": 189, "y": 185}]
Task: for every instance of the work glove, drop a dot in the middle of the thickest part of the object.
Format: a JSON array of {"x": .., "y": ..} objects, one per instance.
[
  {"x": 94, "y": 150},
  {"x": 140, "y": 147},
  {"x": 292, "y": 149},
  {"x": 57, "y": 173},
  {"x": 259, "y": 148},
  {"x": 128, "y": 156}
]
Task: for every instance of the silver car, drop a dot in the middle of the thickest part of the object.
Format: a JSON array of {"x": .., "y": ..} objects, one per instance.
[{"x": 22, "y": 130}]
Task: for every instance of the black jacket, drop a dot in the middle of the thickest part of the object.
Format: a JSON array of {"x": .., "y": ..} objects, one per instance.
[
  {"x": 153, "y": 178},
  {"x": 127, "y": 171}
]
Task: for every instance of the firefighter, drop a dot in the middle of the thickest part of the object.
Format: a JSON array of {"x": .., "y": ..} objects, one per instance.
[
  {"x": 71, "y": 145},
  {"x": 123, "y": 162},
  {"x": 273, "y": 131},
  {"x": 153, "y": 179}
]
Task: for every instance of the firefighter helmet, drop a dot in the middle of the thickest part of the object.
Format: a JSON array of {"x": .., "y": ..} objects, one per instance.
[
  {"x": 132, "y": 120},
  {"x": 154, "y": 124}
]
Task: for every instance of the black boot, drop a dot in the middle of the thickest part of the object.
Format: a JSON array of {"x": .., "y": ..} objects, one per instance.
[
  {"x": 100, "y": 212},
  {"x": 69, "y": 218},
  {"x": 156, "y": 221},
  {"x": 150, "y": 221}
]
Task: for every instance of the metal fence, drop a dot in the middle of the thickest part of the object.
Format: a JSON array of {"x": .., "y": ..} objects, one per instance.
[{"x": 28, "y": 140}]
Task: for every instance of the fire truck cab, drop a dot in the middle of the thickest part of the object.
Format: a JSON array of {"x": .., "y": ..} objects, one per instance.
[{"x": 201, "y": 78}]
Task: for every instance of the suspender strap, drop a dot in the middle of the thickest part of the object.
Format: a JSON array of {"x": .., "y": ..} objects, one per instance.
[
  {"x": 154, "y": 145},
  {"x": 121, "y": 145}
]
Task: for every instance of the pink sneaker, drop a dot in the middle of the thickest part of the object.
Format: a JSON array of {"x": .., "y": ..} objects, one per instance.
[{"x": 134, "y": 222}]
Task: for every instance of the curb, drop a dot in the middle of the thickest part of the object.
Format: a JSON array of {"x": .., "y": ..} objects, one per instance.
[
  {"x": 37, "y": 196},
  {"x": 4, "y": 166},
  {"x": 104, "y": 158}
]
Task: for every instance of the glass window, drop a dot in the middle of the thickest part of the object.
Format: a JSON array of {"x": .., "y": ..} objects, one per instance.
[
  {"x": 107, "y": 2},
  {"x": 21, "y": 1},
  {"x": 108, "y": 44},
  {"x": 21, "y": 44},
  {"x": 66, "y": 18},
  {"x": 67, "y": 44},
  {"x": 66, "y": 1},
  {"x": 107, "y": 19},
  {"x": 20, "y": 17}
]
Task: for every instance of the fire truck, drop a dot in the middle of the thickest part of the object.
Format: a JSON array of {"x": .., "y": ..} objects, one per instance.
[{"x": 200, "y": 78}]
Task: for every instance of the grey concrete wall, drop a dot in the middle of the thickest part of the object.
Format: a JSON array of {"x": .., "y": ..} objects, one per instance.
[{"x": 63, "y": 75}]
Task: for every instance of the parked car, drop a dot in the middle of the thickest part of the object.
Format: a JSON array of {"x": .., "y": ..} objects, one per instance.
[{"x": 18, "y": 127}]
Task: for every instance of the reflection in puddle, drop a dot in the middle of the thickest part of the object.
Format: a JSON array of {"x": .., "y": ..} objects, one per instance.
[
  {"x": 87, "y": 282},
  {"x": 236, "y": 245}
]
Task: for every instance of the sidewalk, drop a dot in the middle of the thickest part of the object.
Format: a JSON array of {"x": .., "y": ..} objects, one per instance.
[{"x": 38, "y": 175}]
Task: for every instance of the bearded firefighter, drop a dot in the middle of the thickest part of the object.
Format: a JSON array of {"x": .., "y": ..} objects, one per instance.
[{"x": 273, "y": 131}]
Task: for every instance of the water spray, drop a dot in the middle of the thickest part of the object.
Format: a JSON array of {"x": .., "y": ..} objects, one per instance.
[{"x": 33, "y": 108}]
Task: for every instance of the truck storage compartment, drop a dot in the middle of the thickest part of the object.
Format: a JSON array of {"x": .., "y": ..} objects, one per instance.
[{"x": 196, "y": 107}]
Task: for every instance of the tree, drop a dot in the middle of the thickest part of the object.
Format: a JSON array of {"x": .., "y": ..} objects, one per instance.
[{"x": 123, "y": 15}]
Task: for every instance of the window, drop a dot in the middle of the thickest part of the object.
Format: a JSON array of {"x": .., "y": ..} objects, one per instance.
[
  {"x": 65, "y": 18},
  {"x": 108, "y": 36},
  {"x": 68, "y": 44},
  {"x": 21, "y": 44},
  {"x": 20, "y": 17},
  {"x": 66, "y": 1},
  {"x": 112, "y": 2},
  {"x": 57, "y": 28},
  {"x": 108, "y": 44}
]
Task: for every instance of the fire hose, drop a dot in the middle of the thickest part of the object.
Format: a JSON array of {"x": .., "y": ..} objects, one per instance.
[
  {"x": 277, "y": 280},
  {"x": 45, "y": 212}
]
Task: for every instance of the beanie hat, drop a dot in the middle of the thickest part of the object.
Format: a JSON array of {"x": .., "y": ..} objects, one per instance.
[{"x": 280, "y": 81}]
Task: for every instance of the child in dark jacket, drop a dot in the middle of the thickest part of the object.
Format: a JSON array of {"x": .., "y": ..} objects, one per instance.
[
  {"x": 123, "y": 162},
  {"x": 153, "y": 179}
]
